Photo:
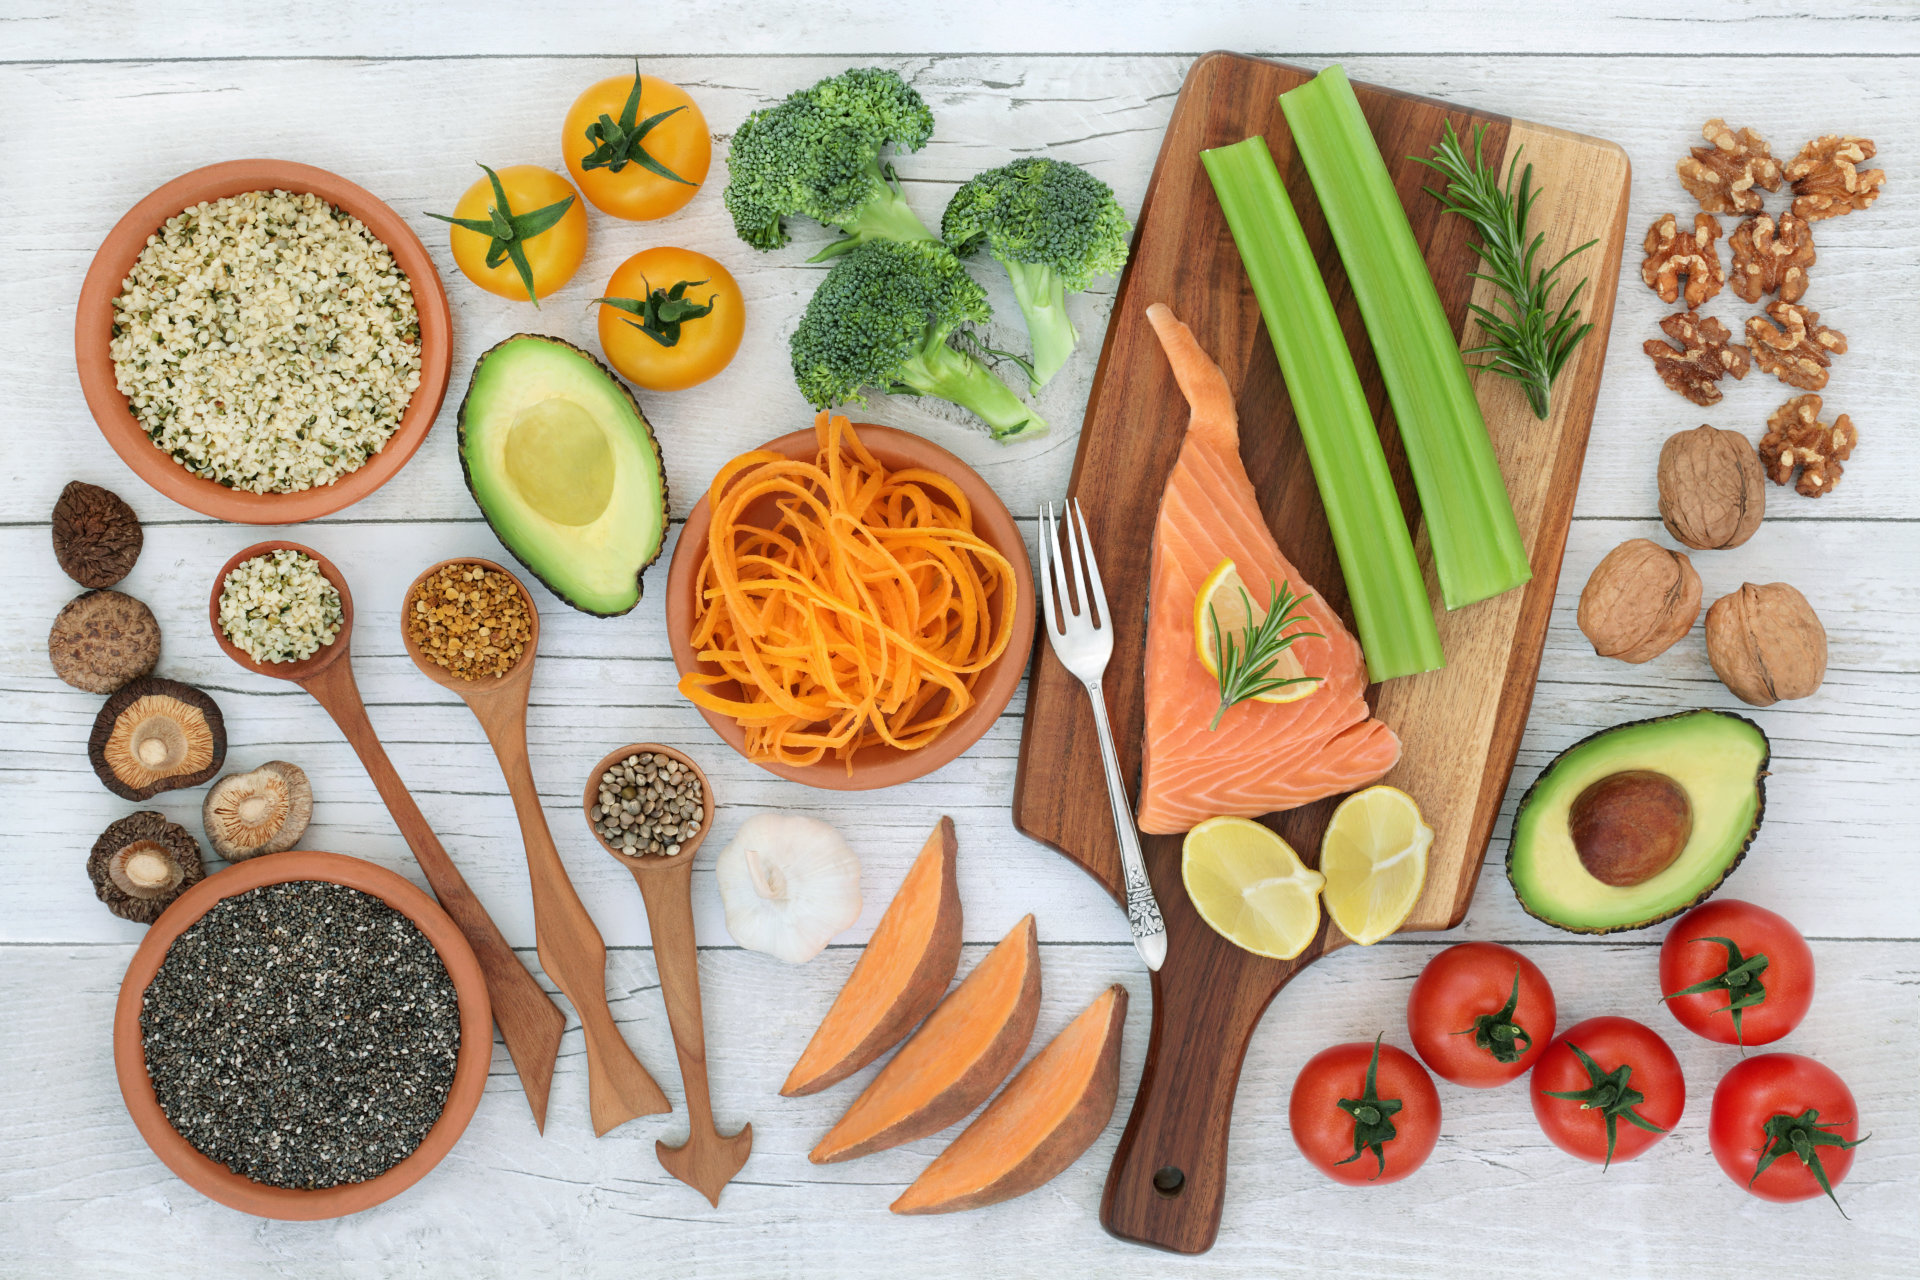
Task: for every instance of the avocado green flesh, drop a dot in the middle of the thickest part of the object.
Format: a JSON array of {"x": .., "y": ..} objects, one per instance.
[
  {"x": 565, "y": 469},
  {"x": 1718, "y": 759}
]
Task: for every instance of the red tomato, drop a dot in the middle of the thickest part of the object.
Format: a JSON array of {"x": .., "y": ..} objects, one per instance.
[
  {"x": 1632, "y": 1092},
  {"x": 1768, "y": 1105},
  {"x": 1736, "y": 973},
  {"x": 1480, "y": 1014},
  {"x": 1362, "y": 1119}
]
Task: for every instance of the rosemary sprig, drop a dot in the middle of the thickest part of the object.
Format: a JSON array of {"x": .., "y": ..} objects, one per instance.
[
  {"x": 1531, "y": 342},
  {"x": 1245, "y": 661}
]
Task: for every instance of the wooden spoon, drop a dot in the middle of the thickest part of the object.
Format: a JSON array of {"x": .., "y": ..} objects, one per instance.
[
  {"x": 570, "y": 947},
  {"x": 528, "y": 1019},
  {"x": 707, "y": 1160}
]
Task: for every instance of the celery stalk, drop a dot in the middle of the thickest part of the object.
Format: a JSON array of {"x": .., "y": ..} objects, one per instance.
[
  {"x": 1477, "y": 549},
  {"x": 1384, "y": 586}
]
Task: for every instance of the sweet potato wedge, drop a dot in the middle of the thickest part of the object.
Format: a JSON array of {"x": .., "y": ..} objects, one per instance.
[
  {"x": 959, "y": 1055},
  {"x": 900, "y": 976},
  {"x": 1040, "y": 1124}
]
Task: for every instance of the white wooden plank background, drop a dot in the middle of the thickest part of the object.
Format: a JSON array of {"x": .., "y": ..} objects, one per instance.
[{"x": 107, "y": 100}]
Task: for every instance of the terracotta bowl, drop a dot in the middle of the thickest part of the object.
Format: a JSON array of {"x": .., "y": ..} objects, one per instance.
[
  {"x": 324, "y": 656},
  {"x": 875, "y": 766},
  {"x": 93, "y": 330},
  {"x": 220, "y": 1183}
]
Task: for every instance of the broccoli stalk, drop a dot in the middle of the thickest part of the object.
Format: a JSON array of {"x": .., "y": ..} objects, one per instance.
[
  {"x": 1054, "y": 227},
  {"x": 883, "y": 318},
  {"x": 817, "y": 155}
]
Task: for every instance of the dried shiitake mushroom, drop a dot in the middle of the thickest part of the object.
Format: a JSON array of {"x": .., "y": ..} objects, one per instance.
[
  {"x": 142, "y": 863},
  {"x": 96, "y": 536},
  {"x": 1766, "y": 644},
  {"x": 1639, "y": 601},
  {"x": 1713, "y": 491},
  {"x": 263, "y": 811},
  {"x": 103, "y": 639},
  {"x": 155, "y": 735}
]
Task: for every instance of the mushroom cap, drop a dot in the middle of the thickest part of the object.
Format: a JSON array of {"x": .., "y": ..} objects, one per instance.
[
  {"x": 155, "y": 735},
  {"x": 96, "y": 535},
  {"x": 265, "y": 810},
  {"x": 141, "y": 863},
  {"x": 102, "y": 640}
]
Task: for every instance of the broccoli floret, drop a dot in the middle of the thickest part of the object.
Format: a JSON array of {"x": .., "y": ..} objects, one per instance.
[
  {"x": 817, "y": 154},
  {"x": 882, "y": 318},
  {"x": 1054, "y": 226}
]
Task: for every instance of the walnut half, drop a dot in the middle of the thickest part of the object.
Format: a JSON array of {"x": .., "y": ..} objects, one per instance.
[
  {"x": 1796, "y": 438},
  {"x": 1722, "y": 175},
  {"x": 1800, "y": 350},
  {"x": 1706, "y": 354},
  {"x": 1827, "y": 180},
  {"x": 1671, "y": 255},
  {"x": 1770, "y": 258}
]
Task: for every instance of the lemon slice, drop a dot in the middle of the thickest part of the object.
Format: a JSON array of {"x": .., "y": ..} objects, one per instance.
[
  {"x": 1374, "y": 856},
  {"x": 1225, "y": 595},
  {"x": 1251, "y": 887}
]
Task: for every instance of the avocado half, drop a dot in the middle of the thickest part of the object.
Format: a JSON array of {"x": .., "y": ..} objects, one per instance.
[
  {"x": 1719, "y": 760},
  {"x": 566, "y": 470}
]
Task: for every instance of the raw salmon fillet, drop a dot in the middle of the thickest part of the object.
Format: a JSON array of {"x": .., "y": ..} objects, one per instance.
[{"x": 1264, "y": 756}]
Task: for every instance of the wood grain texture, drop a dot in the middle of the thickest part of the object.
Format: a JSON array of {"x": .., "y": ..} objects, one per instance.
[
  {"x": 571, "y": 950},
  {"x": 81, "y": 1195},
  {"x": 707, "y": 1160},
  {"x": 529, "y": 1022},
  {"x": 1495, "y": 1199},
  {"x": 1460, "y": 727}
]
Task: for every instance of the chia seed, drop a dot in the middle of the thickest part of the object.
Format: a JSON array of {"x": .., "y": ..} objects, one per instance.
[{"x": 303, "y": 1034}]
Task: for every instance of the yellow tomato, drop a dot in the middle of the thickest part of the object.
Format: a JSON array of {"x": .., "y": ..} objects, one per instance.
[
  {"x": 552, "y": 254},
  {"x": 608, "y": 143},
  {"x": 702, "y": 345}
]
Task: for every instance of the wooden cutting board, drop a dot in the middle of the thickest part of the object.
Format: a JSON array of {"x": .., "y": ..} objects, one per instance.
[{"x": 1460, "y": 726}]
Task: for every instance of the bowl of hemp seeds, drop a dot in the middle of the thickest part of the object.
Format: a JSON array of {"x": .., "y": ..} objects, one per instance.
[
  {"x": 263, "y": 341},
  {"x": 303, "y": 1036}
]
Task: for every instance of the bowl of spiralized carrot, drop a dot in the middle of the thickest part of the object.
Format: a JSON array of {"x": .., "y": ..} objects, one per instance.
[{"x": 850, "y": 606}]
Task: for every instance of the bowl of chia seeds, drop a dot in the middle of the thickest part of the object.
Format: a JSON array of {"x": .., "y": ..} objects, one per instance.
[{"x": 303, "y": 1036}]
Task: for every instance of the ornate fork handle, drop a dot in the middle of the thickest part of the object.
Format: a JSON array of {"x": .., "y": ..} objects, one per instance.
[{"x": 1143, "y": 909}]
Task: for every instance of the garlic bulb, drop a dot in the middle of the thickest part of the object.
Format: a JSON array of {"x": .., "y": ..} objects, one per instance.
[{"x": 789, "y": 883}]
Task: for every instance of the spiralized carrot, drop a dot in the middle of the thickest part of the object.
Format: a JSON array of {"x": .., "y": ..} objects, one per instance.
[{"x": 863, "y": 615}]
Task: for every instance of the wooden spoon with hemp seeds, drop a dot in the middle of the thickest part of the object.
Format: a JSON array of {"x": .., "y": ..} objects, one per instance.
[
  {"x": 708, "y": 1159},
  {"x": 528, "y": 1019},
  {"x": 461, "y": 628}
]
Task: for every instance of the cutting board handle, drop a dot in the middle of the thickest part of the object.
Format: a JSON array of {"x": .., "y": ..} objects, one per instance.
[{"x": 1169, "y": 1176}]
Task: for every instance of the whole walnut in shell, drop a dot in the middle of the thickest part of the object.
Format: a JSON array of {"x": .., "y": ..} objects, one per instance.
[
  {"x": 1639, "y": 601},
  {"x": 1766, "y": 643},
  {"x": 1713, "y": 490}
]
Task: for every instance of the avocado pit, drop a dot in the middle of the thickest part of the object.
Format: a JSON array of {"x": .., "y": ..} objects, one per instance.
[{"x": 1629, "y": 826}]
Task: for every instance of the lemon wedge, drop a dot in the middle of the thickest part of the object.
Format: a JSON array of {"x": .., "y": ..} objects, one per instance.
[
  {"x": 1226, "y": 596},
  {"x": 1374, "y": 856},
  {"x": 1251, "y": 887}
]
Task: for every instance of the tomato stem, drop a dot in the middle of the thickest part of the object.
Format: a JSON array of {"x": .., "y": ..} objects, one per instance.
[
  {"x": 1740, "y": 980},
  {"x": 618, "y": 142},
  {"x": 1803, "y": 1136},
  {"x": 1372, "y": 1116},
  {"x": 1498, "y": 1033},
  {"x": 507, "y": 232},
  {"x": 1608, "y": 1093},
  {"x": 662, "y": 311}
]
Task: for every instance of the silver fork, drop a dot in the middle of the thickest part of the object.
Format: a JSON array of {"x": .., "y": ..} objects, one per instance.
[{"x": 1084, "y": 648}]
